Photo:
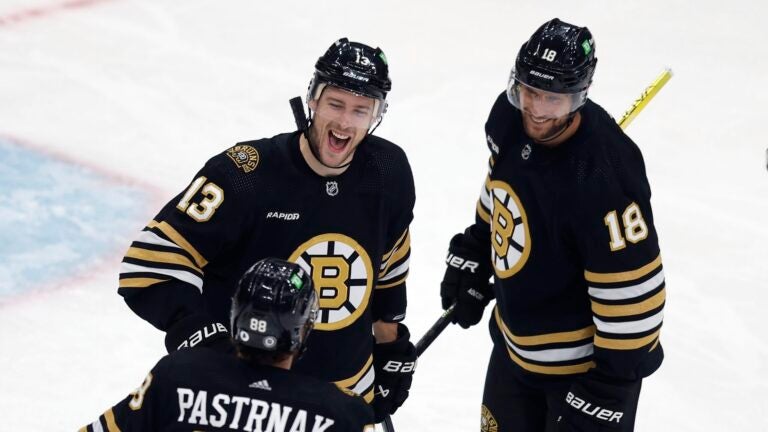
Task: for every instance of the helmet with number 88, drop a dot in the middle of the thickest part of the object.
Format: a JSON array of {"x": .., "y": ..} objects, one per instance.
[
  {"x": 274, "y": 308},
  {"x": 558, "y": 58}
]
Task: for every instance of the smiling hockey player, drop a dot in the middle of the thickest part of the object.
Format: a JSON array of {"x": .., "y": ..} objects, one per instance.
[
  {"x": 565, "y": 227},
  {"x": 334, "y": 198}
]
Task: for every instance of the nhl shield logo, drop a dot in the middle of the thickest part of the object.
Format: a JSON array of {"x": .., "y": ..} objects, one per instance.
[
  {"x": 526, "y": 153},
  {"x": 332, "y": 188}
]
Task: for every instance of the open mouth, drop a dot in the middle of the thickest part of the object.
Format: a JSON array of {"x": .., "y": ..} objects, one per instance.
[
  {"x": 338, "y": 142},
  {"x": 538, "y": 120}
]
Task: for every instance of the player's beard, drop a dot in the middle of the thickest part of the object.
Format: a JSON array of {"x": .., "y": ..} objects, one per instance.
[
  {"x": 546, "y": 131},
  {"x": 318, "y": 142}
]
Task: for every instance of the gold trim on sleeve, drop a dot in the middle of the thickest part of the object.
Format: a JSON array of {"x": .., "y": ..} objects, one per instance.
[{"x": 623, "y": 276}]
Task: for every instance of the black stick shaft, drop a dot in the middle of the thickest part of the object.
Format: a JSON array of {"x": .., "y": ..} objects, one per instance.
[
  {"x": 422, "y": 346},
  {"x": 298, "y": 113},
  {"x": 434, "y": 331}
]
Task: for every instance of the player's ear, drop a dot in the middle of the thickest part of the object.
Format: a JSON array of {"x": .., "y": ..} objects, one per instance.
[{"x": 312, "y": 104}]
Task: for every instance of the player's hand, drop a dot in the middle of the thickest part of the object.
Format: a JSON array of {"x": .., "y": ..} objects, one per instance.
[
  {"x": 592, "y": 405},
  {"x": 394, "y": 363},
  {"x": 466, "y": 281},
  {"x": 198, "y": 330}
]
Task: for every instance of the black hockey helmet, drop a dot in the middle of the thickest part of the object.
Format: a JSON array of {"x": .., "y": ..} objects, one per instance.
[
  {"x": 558, "y": 58},
  {"x": 274, "y": 307},
  {"x": 355, "y": 67}
]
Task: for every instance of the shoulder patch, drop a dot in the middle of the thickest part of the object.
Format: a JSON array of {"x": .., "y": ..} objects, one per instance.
[
  {"x": 488, "y": 422},
  {"x": 245, "y": 157}
]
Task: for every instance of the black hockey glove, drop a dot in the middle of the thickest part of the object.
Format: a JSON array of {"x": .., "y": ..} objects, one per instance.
[
  {"x": 592, "y": 406},
  {"x": 394, "y": 363},
  {"x": 198, "y": 330},
  {"x": 466, "y": 280}
]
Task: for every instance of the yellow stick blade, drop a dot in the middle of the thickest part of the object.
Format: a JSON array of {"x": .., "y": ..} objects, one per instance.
[{"x": 645, "y": 97}]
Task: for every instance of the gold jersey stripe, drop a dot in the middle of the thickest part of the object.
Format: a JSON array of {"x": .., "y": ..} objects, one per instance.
[
  {"x": 351, "y": 381},
  {"x": 399, "y": 254},
  {"x": 491, "y": 161},
  {"x": 623, "y": 276},
  {"x": 139, "y": 282},
  {"x": 399, "y": 281},
  {"x": 551, "y": 370},
  {"x": 109, "y": 416},
  {"x": 630, "y": 309},
  {"x": 488, "y": 183},
  {"x": 394, "y": 248},
  {"x": 83, "y": 429},
  {"x": 180, "y": 241},
  {"x": 368, "y": 397},
  {"x": 161, "y": 257},
  {"x": 569, "y": 336},
  {"x": 484, "y": 215},
  {"x": 625, "y": 344},
  {"x": 653, "y": 347}
]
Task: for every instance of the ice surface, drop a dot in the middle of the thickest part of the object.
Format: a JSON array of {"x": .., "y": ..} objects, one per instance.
[{"x": 148, "y": 90}]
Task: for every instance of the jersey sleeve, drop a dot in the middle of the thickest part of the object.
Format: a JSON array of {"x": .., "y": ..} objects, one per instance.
[
  {"x": 481, "y": 229},
  {"x": 390, "y": 294},
  {"x": 622, "y": 264},
  {"x": 142, "y": 410},
  {"x": 161, "y": 275},
  {"x": 496, "y": 131}
]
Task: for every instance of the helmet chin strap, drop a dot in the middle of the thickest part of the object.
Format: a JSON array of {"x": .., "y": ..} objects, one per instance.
[{"x": 565, "y": 127}]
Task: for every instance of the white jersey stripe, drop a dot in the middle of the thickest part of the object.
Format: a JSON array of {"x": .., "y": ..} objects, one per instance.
[
  {"x": 365, "y": 382},
  {"x": 152, "y": 238},
  {"x": 628, "y": 292},
  {"x": 97, "y": 426},
  {"x": 128, "y": 268},
  {"x": 397, "y": 271},
  {"x": 629, "y": 327},
  {"x": 552, "y": 355},
  {"x": 485, "y": 197}
]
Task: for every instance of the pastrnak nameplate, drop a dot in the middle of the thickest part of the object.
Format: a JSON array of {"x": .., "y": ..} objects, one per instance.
[{"x": 245, "y": 157}]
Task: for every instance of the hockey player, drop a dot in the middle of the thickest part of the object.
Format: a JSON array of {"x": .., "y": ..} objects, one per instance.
[
  {"x": 334, "y": 198},
  {"x": 565, "y": 227},
  {"x": 273, "y": 312}
]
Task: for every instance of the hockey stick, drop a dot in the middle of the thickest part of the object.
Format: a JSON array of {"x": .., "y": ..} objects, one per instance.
[
  {"x": 422, "y": 346},
  {"x": 434, "y": 331},
  {"x": 298, "y": 113},
  {"x": 645, "y": 97}
]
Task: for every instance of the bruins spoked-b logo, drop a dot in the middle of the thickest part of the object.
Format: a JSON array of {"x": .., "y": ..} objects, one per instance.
[
  {"x": 510, "y": 237},
  {"x": 343, "y": 277},
  {"x": 245, "y": 157}
]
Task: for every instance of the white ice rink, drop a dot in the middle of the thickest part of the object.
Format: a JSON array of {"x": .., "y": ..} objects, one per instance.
[{"x": 148, "y": 90}]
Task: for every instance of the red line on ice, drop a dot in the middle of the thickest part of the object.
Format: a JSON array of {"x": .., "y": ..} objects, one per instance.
[{"x": 24, "y": 15}]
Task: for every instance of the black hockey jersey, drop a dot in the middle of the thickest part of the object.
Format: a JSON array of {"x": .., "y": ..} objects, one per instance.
[
  {"x": 200, "y": 389},
  {"x": 578, "y": 276},
  {"x": 260, "y": 199}
]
